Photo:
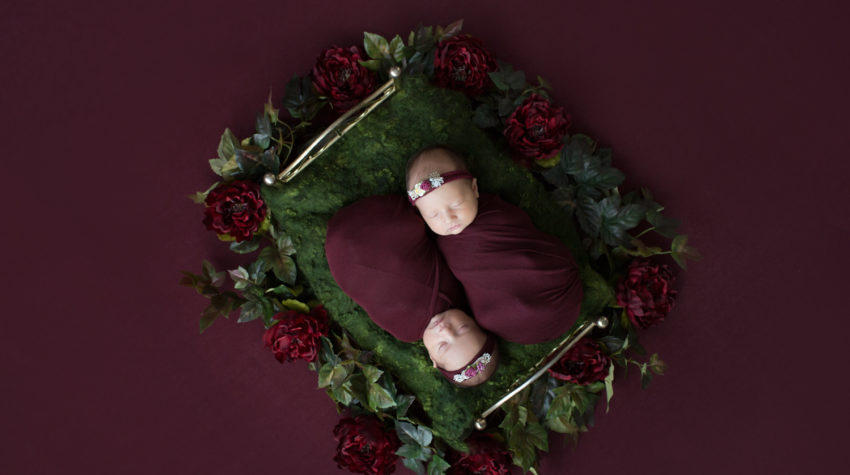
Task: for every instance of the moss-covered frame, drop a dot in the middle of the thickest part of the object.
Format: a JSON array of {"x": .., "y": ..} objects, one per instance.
[{"x": 370, "y": 160}]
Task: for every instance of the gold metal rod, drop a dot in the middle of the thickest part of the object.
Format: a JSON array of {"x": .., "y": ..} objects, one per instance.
[
  {"x": 583, "y": 330},
  {"x": 336, "y": 129}
]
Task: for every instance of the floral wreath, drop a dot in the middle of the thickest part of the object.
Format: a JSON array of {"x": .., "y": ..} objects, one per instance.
[{"x": 377, "y": 429}]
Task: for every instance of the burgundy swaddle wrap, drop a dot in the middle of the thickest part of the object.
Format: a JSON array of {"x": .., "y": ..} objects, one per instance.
[
  {"x": 381, "y": 255},
  {"x": 521, "y": 283}
]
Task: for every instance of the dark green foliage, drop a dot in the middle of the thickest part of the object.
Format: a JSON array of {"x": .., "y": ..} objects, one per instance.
[{"x": 370, "y": 160}]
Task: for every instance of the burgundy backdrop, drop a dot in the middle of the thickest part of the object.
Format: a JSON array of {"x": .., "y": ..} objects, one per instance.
[{"x": 734, "y": 113}]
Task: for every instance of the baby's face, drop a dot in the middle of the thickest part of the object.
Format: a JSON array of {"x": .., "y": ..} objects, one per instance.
[
  {"x": 452, "y": 339},
  {"x": 450, "y": 208}
]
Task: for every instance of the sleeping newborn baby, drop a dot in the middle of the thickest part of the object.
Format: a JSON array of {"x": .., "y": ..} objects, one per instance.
[
  {"x": 521, "y": 284},
  {"x": 381, "y": 255}
]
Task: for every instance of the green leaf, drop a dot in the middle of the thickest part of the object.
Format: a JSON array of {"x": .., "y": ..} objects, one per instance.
[
  {"x": 663, "y": 225},
  {"x": 299, "y": 98},
  {"x": 423, "y": 39},
  {"x": 616, "y": 221},
  {"x": 282, "y": 265},
  {"x": 372, "y": 373},
  {"x": 245, "y": 247},
  {"x": 227, "y": 145},
  {"x": 397, "y": 48},
  {"x": 376, "y": 45},
  {"x": 379, "y": 398},
  {"x": 342, "y": 394},
  {"x": 609, "y": 387},
  {"x": 371, "y": 64},
  {"x": 284, "y": 245},
  {"x": 403, "y": 403},
  {"x": 452, "y": 29},
  {"x": 437, "y": 465},
  {"x": 413, "y": 465},
  {"x": 656, "y": 365},
  {"x": 200, "y": 197},
  {"x": 681, "y": 251},
  {"x": 589, "y": 214},
  {"x": 296, "y": 305},
  {"x": 543, "y": 83}
]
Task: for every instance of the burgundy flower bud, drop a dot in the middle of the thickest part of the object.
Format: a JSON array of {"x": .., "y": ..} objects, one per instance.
[{"x": 486, "y": 456}]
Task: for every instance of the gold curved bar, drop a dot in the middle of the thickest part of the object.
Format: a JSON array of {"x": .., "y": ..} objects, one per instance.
[
  {"x": 339, "y": 127},
  {"x": 558, "y": 352}
]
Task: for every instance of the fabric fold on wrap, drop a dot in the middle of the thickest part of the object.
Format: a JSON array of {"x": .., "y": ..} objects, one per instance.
[
  {"x": 380, "y": 254},
  {"x": 521, "y": 283}
]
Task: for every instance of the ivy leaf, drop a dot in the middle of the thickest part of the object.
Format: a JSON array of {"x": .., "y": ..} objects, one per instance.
[
  {"x": 379, "y": 397},
  {"x": 245, "y": 247},
  {"x": 372, "y": 373},
  {"x": 656, "y": 365},
  {"x": 299, "y": 98},
  {"x": 284, "y": 245},
  {"x": 376, "y": 45},
  {"x": 505, "y": 106},
  {"x": 543, "y": 83},
  {"x": 437, "y": 465},
  {"x": 412, "y": 434},
  {"x": 412, "y": 464},
  {"x": 270, "y": 161},
  {"x": 589, "y": 214},
  {"x": 342, "y": 394},
  {"x": 681, "y": 251},
  {"x": 616, "y": 221},
  {"x": 663, "y": 225},
  {"x": 200, "y": 197},
  {"x": 403, "y": 403},
  {"x": 282, "y": 265},
  {"x": 645, "y": 376}
]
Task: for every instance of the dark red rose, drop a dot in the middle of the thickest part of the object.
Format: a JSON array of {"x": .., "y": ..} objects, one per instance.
[
  {"x": 535, "y": 130},
  {"x": 583, "y": 364},
  {"x": 296, "y": 335},
  {"x": 646, "y": 292},
  {"x": 462, "y": 63},
  {"x": 235, "y": 209},
  {"x": 339, "y": 76},
  {"x": 486, "y": 457},
  {"x": 365, "y": 446}
]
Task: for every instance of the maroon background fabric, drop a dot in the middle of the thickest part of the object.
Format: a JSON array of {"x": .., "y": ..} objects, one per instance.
[
  {"x": 734, "y": 113},
  {"x": 522, "y": 284},
  {"x": 380, "y": 254}
]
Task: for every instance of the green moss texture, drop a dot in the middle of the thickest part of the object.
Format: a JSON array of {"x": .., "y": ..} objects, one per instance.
[{"x": 370, "y": 160}]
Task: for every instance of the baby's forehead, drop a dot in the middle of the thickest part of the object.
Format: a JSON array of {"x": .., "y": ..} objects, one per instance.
[{"x": 431, "y": 162}]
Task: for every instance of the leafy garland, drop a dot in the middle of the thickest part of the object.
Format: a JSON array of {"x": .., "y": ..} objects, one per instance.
[{"x": 581, "y": 179}]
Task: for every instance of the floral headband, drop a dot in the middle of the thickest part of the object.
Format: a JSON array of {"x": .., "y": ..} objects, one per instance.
[
  {"x": 434, "y": 181},
  {"x": 476, "y": 365}
]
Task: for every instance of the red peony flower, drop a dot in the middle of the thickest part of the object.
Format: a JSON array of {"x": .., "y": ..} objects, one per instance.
[
  {"x": 646, "y": 292},
  {"x": 365, "y": 446},
  {"x": 486, "y": 457},
  {"x": 339, "y": 76},
  {"x": 235, "y": 209},
  {"x": 296, "y": 335},
  {"x": 583, "y": 364},
  {"x": 462, "y": 63},
  {"x": 535, "y": 130}
]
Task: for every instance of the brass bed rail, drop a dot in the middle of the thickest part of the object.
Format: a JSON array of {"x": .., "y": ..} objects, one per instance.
[
  {"x": 337, "y": 129},
  {"x": 547, "y": 362}
]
